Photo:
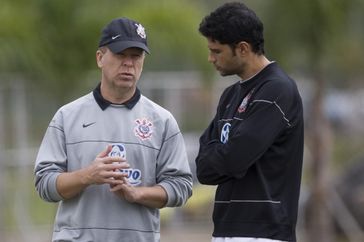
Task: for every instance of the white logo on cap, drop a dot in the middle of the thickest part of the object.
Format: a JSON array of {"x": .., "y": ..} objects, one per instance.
[
  {"x": 115, "y": 37},
  {"x": 140, "y": 31}
]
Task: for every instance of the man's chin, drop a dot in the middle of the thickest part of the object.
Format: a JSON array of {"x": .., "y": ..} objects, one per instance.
[
  {"x": 124, "y": 82},
  {"x": 225, "y": 74}
]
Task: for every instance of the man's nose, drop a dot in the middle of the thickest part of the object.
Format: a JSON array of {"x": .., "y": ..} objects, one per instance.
[
  {"x": 211, "y": 58},
  {"x": 127, "y": 61}
]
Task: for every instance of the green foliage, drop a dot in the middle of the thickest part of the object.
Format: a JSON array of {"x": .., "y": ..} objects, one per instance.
[
  {"x": 16, "y": 36},
  {"x": 172, "y": 27},
  {"x": 311, "y": 34},
  {"x": 54, "y": 42}
]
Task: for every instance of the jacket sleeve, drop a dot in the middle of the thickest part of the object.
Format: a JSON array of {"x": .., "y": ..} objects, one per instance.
[
  {"x": 207, "y": 174},
  {"x": 248, "y": 140},
  {"x": 51, "y": 160},
  {"x": 173, "y": 170}
]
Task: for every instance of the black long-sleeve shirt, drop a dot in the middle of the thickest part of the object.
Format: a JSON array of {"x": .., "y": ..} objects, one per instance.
[{"x": 253, "y": 151}]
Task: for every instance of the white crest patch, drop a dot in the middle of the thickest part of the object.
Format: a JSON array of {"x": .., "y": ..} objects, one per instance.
[
  {"x": 140, "y": 31},
  {"x": 118, "y": 150},
  {"x": 225, "y": 133},
  {"x": 143, "y": 128}
]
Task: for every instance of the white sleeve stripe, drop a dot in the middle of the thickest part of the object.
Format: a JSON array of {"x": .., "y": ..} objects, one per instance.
[
  {"x": 280, "y": 109},
  {"x": 249, "y": 201}
]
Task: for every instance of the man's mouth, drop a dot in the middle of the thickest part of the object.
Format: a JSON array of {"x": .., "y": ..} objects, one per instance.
[{"x": 126, "y": 75}]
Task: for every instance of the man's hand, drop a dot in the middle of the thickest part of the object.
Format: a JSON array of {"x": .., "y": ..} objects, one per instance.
[
  {"x": 155, "y": 197},
  {"x": 126, "y": 191},
  {"x": 103, "y": 170}
]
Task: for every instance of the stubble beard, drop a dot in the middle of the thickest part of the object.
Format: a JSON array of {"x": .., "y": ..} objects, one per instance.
[{"x": 226, "y": 73}]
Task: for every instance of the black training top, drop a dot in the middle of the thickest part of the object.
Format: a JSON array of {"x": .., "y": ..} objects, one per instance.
[{"x": 253, "y": 151}]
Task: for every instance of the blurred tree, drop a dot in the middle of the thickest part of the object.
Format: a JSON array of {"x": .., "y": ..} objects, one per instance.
[
  {"x": 53, "y": 43},
  {"x": 307, "y": 36},
  {"x": 290, "y": 29},
  {"x": 17, "y": 36}
]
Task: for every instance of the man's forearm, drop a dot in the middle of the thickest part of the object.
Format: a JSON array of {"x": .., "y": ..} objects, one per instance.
[
  {"x": 69, "y": 184},
  {"x": 155, "y": 197}
]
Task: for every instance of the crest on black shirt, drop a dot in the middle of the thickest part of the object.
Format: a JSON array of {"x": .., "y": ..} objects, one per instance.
[
  {"x": 225, "y": 133},
  {"x": 244, "y": 104}
]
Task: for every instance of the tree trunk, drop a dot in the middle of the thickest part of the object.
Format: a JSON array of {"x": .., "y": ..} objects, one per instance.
[{"x": 319, "y": 224}]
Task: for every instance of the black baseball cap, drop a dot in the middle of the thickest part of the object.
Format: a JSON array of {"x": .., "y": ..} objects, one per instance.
[{"x": 123, "y": 33}]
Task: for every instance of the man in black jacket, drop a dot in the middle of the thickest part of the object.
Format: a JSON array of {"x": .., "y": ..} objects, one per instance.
[{"x": 253, "y": 148}]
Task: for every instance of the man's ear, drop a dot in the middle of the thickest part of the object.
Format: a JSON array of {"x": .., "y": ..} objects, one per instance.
[
  {"x": 99, "y": 56},
  {"x": 243, "y": 47}
]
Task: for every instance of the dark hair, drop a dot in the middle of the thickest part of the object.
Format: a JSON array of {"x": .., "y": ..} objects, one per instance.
[{"x": 232, "y": 23}]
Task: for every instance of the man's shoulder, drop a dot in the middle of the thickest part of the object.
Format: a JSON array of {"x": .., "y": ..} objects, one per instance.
[
  {"x": 77, "y": 104},
  {"x": 153, "y": 106},
  {"x": 230, "y": 91}
]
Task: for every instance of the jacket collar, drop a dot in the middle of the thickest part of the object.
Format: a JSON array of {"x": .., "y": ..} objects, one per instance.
[{"x": 103, "y": 103}]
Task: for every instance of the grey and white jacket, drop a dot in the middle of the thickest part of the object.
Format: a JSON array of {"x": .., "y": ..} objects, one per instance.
[{"x": 153, "y": 145}]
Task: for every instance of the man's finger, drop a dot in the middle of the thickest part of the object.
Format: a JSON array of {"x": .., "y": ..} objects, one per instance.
[
  {"x": 110, "y": 160},
  {"x": 119, "y": 165},
  {"x": 105, "y": 152},
  {"x": 117, "y": 187}
]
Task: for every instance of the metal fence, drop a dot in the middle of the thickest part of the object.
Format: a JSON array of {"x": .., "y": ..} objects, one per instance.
[{"x": 24, "y": 217}]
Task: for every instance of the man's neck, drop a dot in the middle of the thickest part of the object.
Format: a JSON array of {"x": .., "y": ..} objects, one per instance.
[
  {"x": 116, "y": 95},
  {"x": 257, "y": 63}
]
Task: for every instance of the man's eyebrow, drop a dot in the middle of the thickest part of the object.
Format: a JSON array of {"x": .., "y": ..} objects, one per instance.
[{"x": 214, "y": 49}]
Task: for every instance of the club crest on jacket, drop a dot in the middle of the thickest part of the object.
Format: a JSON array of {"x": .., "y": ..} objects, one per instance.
[{"x": 143, "y": 128}]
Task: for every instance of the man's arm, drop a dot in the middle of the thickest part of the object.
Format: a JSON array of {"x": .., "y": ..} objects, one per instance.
[
  {"x": 207, "y": 173},
  {"x": 248, "y": 140}
]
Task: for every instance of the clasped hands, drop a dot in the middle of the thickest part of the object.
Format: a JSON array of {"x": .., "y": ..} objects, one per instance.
[{"x": 106, "y": 170}]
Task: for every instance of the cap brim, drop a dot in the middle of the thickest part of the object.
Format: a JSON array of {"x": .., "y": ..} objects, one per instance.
[{"x": 119, "y": 46}]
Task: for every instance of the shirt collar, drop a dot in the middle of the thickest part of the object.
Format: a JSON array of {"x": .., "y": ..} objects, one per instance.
[
  {"x": 103, "y": 103},
  {"x": 257, "y": 74}
]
